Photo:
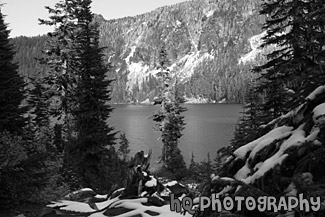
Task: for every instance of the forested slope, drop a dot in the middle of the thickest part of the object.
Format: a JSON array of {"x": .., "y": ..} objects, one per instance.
[{"x": 205, "y": 41}]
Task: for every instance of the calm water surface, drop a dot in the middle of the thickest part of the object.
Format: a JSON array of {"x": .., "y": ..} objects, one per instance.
[{"x": 208, "y": 128}]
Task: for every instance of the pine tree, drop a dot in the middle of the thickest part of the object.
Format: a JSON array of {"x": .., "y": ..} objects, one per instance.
[
  {"x": 124, "y": 147},
  {"x": 39, "y": 107},
  {"x": 78, "y": 72},
  {"x": 11, "y": 86},
  {"x": 313, "y": 76},
  {"x": 60, "y": 80},
  {"x": 286, "y": 31},
  {"x": 93, "y": 133},
  {"x": 248, "y": 125},
  {"x": 169, "y": 118}
]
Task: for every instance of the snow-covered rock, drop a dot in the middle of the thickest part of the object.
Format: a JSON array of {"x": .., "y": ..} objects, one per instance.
[{"x": 286, "y": 160}]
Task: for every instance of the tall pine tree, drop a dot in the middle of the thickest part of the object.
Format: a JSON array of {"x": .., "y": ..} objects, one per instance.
[
  {"x": 281, "y": 75},
  {"x": 77, "y": 79},
  {"x": 94, "y": 135},
  {"x": 11, "y": 86},
  {"x": 169, "y": 118}
]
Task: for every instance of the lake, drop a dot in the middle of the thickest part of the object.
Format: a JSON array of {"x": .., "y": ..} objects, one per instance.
[{"x": 208, "y": 128}]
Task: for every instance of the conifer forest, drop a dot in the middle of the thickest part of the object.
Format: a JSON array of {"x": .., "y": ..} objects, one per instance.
[{"x": 61, "y": 156}]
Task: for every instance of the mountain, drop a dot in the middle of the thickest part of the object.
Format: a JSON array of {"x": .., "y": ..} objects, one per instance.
[{"x": 210, "y": 44}]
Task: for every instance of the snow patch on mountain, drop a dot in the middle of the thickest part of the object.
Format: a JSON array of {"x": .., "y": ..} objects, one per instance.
[
  {"x": 185, "y": 67},
  {"x": 255, "y": 43},
  {"x": 127, "y": 59},
  {"x": 137, "y": 73},
  {"x": 197, "y": 100},
  {"x": 209, "y": 14}
]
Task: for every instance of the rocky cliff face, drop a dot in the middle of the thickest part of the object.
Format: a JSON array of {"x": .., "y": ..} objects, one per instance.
[
  {"x": 210, "y": 44},
  {"x": 205, "y": 40}
]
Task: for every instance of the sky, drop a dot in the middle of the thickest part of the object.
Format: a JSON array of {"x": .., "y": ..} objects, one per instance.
[{"x": 22, "y": 15}]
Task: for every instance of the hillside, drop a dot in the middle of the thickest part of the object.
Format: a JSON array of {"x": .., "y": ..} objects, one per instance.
[{"x": 210, "y": 45}]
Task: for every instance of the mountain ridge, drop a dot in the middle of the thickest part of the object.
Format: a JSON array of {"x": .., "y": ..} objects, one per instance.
[{"x": 205, "y": 39}]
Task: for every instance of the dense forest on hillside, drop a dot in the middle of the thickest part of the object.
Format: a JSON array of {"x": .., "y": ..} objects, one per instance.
[{"x": 204, "y": 40}]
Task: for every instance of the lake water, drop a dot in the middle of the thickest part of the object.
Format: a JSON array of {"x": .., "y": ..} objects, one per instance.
[{"x": 208, "y": 128}]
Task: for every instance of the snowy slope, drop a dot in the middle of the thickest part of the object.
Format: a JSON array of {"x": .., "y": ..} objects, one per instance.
[{"x": 287, "y": 159}]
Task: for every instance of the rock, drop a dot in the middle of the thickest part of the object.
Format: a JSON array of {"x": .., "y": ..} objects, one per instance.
[
  {"x": 155, "y": 201},
  {"x": 152, "y": 213},
  {"x": 81, "y": 195},
  {"x": 49, "y": 212},
  {"x": 235, "y": 165},
  {"x": 117, "y": 193},
  {"x": 116, "y": 211},
  {"x": 177, "y": 189}
]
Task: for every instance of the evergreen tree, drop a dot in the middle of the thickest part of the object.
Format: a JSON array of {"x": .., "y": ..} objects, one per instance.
[
  {"x": 38, "y": 104},
  {"x": 11, "y": 86},
  {"x": 169, "y": 118},
  {"x": 286, "y": 31},
  {"x": 61, "y": 77},
  {"x": 314, "y": 38},
  {"x": 124, "y": 147},
  {"x": 78, "y": 72},
  {"x": 248, "y": 125},
  {"x": 93, "y": 133}
]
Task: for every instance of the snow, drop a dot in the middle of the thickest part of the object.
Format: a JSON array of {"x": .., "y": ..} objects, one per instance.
[
  {"x": 267, "y": 141},
  {"x": 297, "y": 138},
  {"x": 127, "y": 59},
  {"x": 170, "y": 183},
  {"x": 214, "y": 178},
  {"x": 99, "y": 196},
  {"x": 313, "y": 135},
  {"x": 143, "y": 194},
  {"x": 195, "y": 100},
  {"x": 209, "y": 14},
  {"x": 255, "y": 43},
  {"x": 242, "y": 173},
  {"x": 136, "y": 206},
  {"x": 152, "y": 182},
  {"x": 139, "y": 209},
  {"x": 275, "y": 134},
  {"x": 146, "y": 102},
  {"x": 265, "y": 167},
  {"x": 102, "y": 205},
  {"x": 86, "y": 189},
  {"x": 319, "y": 113},
  {"x": 72, "y": 206},
  {"x": 137, "y": 72},
  {"x": 186, "y": 65},
  {"x": 317, "y": 91}
]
